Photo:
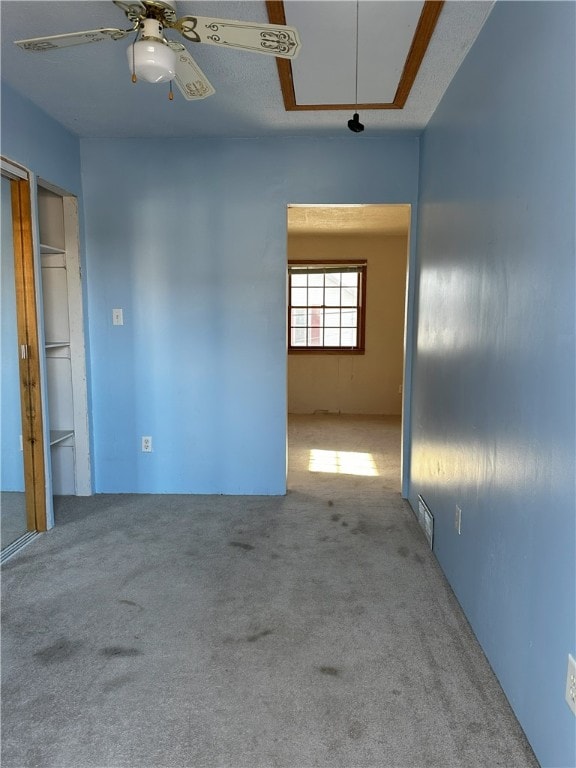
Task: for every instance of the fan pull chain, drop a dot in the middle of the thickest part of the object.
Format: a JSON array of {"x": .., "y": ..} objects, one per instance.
[
  {"x": 134, "y": 78},
  {"x": 355, "y": 125},
  {"x": 356, "y": 93},
  {"x": 171, "y": 92}
]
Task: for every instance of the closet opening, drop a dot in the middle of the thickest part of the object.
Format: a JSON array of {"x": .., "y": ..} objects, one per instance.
[
  {"x": 62, "y": 331},
  {"x": 22, "y": 477}
]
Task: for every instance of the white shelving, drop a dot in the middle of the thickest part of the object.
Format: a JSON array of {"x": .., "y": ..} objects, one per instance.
[{"x": 63, "y": 343}]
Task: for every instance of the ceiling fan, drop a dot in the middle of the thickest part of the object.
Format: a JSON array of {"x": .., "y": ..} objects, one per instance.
[{"x": 154, "y": 58}]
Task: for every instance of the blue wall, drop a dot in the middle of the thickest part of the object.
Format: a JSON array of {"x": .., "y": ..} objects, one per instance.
[
  {"x": 189, "y": 239},
  {"x": 494, "y": 387},
  {"x": 35, "y": 140}
]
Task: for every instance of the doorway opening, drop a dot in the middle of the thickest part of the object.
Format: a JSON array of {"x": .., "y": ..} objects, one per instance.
[{"x": 346, "y": 344}]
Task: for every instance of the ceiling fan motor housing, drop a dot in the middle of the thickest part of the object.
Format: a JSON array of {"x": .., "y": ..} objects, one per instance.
[
  {"x": 161, "y": 10},
  {"x": 151, "y": 30}
]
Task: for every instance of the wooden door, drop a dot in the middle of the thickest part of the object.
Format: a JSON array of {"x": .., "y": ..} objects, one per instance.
[{"x": 16, "y": 205}]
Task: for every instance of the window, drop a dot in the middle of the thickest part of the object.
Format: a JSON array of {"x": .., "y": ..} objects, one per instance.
[{"x": 326, "y": 307}]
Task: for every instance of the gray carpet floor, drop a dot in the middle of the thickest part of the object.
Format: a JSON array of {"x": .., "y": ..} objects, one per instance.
[{"x": 314, "y": 629}]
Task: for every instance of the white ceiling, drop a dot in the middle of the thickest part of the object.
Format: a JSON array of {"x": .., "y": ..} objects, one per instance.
[{"x": 88, "y": 88}]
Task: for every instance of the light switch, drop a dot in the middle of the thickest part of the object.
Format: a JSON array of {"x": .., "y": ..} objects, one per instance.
[{"x": 117, "y": 317}]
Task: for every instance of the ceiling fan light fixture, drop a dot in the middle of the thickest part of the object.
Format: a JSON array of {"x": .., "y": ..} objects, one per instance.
[{"x": 152, "y": 61}]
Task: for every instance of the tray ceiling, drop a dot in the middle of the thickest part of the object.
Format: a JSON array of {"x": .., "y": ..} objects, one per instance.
[
  {"x": 369, "y": 60},
  {"x": 88, "y": 88}
]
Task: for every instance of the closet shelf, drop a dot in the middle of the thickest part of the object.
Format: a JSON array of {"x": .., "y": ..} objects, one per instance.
[
  {"x": 50, "y": 249},
  {"x": 58, "y": 435}
]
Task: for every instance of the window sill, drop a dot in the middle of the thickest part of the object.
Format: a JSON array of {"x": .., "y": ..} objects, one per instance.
[{"x": 324, "y": 351}]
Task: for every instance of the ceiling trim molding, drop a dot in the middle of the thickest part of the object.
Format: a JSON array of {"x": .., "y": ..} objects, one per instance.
[{"x": 426, "y": 25}]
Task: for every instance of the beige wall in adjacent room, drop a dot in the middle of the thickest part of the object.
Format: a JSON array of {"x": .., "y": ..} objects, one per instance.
[{"x": 365, "y": 383}]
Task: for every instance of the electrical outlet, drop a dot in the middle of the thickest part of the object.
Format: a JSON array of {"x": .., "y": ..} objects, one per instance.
[
  {"x": 147, "y": 444},
  {"x": 571, "y": 684},
  {"x": 458, "y": 520}
]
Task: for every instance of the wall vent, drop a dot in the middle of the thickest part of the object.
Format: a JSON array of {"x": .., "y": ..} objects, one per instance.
[{"x": 426, "y": 520}]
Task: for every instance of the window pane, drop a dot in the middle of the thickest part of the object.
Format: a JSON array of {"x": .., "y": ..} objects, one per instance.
[
  {"x": 298, "y": 337},
  {"x": 299, "y": 297},
  {"x": 314, "y": 317},
  {"x": 332, "y": 297},
  {"x": 298, "y": 317},
  {"x": 334, "y": 279},
  {"x": 348, "y": 337},
  {"x": 315, "y": 297},
  {"x": 315, "y": 337},
  {"x": 332, "y": 337},
  {"x": 332, "y": 318},
  {"x": 349, "y": 297},
  {"x": 349, "y": 318},
  {"x": 299, "y": 279},
  {"x": 350, "y": 278},
  {"x": 315, "y": 280}
]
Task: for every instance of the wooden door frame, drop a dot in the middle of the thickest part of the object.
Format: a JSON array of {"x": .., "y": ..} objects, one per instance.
[{"x": 28, "y": 346}]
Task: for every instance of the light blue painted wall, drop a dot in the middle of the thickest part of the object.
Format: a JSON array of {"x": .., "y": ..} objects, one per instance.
[
  {"x": 189, "y": 239},
  {"x": 494, "y": 370},
  {"x": 35, "y": 140},
  {"x": 11, "y": 457}
]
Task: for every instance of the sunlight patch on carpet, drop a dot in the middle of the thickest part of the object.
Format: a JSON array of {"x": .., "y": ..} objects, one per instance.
[{"x": 342, "y": 463}]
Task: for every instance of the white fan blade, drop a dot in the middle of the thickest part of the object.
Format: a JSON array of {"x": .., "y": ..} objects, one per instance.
[
  {"x": 72, "y": 38},
  {"x": 273, "y": 39},
  {"x": 189, "y": 77}
]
